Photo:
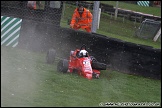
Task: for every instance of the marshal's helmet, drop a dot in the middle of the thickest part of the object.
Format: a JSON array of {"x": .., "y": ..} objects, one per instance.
[{"x": 80, "y": 7}]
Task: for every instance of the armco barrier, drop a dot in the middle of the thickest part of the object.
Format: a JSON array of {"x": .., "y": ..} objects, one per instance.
[{"x": 123, "y": 56}]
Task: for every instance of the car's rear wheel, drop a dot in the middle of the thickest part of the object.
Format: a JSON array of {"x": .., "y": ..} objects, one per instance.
[
  {"x": 50, "y": 57},
  {"x": 62, "y": 66},
  {"x": 98, "y": 66}
]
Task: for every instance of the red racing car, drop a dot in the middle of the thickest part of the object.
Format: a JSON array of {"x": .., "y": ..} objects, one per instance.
[{"x": 86, "y": 66}]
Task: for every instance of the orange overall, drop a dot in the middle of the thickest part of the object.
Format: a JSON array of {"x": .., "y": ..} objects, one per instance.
[{"x": 83, "y": 20}]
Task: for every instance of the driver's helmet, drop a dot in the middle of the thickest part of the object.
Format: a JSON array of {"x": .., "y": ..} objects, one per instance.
[{"x": 83, "y": 53}]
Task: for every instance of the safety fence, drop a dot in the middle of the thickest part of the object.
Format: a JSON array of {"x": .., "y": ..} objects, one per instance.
[{"x": 39, "y": 11}]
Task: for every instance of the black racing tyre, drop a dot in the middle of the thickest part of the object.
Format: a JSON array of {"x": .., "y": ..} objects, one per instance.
[
  {"x": 98, "y": 66},
  {"x": 62, "y": 66},
  {"x": 50, "y": 57}
]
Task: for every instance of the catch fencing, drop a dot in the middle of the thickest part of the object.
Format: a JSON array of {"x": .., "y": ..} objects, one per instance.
[{"x": 44, "y": 12}]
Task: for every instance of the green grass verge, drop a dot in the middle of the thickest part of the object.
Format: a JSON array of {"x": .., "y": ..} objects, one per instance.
[{"x": 27, "y": 81}]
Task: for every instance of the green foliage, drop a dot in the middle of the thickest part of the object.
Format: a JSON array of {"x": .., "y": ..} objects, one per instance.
[{"x": 27, "y": 81}]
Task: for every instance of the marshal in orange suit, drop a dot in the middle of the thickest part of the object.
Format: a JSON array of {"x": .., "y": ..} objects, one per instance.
[{"x": 82, "y": 18}]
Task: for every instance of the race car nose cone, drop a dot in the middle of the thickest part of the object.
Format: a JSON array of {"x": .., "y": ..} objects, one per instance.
[{"x": 89, "y": 76}]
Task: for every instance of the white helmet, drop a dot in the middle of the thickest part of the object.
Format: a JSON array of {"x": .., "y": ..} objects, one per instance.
[{"x": 83, "y": 53}]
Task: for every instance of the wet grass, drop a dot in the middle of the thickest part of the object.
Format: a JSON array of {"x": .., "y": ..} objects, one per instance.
[{"x": 26, "y": 80}]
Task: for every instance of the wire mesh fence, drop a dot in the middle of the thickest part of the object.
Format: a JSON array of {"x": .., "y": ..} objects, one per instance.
[
  {"x": 39, "y": 11},
  {"x": 148, "y": 29}
]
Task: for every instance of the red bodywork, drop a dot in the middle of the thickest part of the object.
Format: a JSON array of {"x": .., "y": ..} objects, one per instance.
[{"x": 82, "y": 65}]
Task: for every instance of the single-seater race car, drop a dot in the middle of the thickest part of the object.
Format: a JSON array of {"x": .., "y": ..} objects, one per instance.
[{"x": 86, "y": 66}]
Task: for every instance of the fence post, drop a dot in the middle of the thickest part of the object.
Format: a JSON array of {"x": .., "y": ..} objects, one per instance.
[
  {"x": 95, "y": 16},
  {"x": 157, "y": 35},
  {"x": 116, "y": 10},
  {"x": 99, "y": 14}
]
